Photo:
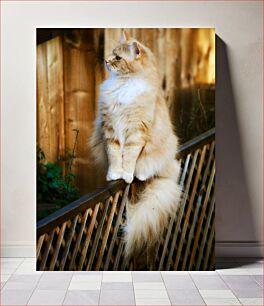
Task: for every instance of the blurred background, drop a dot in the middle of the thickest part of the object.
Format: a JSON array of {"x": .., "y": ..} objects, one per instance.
[{"x": 70, "y": 69}]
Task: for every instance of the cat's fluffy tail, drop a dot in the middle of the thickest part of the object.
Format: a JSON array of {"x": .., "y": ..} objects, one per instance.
[{"x": 147, "y": 218}]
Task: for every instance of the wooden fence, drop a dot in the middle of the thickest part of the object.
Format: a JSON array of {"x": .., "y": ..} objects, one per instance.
[
  {"x": 85, "y": 235},
  {"x": 70, "y": 70}
]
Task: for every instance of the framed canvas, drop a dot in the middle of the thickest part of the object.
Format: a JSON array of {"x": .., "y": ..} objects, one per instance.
[{"x": 125, "y": 149}]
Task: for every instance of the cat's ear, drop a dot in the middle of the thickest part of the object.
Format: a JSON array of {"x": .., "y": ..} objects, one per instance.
[
  {"x": 136, "y": 49},
  {"x": 124, "y": 37}
]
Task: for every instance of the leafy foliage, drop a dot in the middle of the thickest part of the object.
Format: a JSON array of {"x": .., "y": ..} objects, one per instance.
[{"x": 54, "y": 184}]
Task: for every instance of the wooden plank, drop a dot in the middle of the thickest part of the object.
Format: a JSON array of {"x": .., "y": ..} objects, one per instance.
[
  {"x": 207, "y": 192},
  {"x": 112, "y": 38},
  {"x": 196, "y": 142},
  {"x": 172, "y": 68},
  {"x": 165, "y": 245},
  {"x": 107, "y": 230},
  {"x": 182, "y": 209},
  {"x": 68, "y": 243},
  {"x": 39, "y": 245},
  {"x": 57, "y": 248},
  {"x": 205, "y": 56},
  {"x": 50, "y": 98},
  {"x": 189, "y": 208},
  {"x": 188, "y": 65},
  {"x": 42, "y": 98},
  {"x": 98, "y": 235},
  {"x": 205, "y": 233},
  {"x": 118, "y": 257},
  {"x": 117, "y": 226},
  {"x": 88, "y": 237},
  {"x": 159, "y": 50},
  {"x": 79, "y": 85},
  {"x": 78, "y": 241},
  {"x": 196, "y": 209},
  {"x": 99, "y": 47},
  {"x": 147, "y": 38},
  {"x": 47, "y": 250}
]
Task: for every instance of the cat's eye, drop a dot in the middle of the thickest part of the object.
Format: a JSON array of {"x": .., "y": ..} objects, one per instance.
[{"x": 118, "y": 58}]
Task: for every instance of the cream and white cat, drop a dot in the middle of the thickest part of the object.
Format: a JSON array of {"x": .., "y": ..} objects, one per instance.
[{"x": 134, "y": 136}]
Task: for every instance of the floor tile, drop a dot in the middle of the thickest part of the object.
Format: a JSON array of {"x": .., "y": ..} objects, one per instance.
[
  {"x": 30, "y": 260},
  {"x": 258, "y": 279},
  {"x": 85, "y": 286},
  {"x": 251, "y": 301},
  {"x": 147, "y": 286},
  {"x": 117, "y": 297},
  {"x": 9, "y": 269},
  {"x": 47, "y": 297},
  {"x": 203, "y": 273},
  {"x": 240, "y": 282},
  {"x": 178, "y": 282},
  {"x": 117, "y": 286},
  {"x": 146, "y": 277},
  {"x": 151, "y": 294},
  {"x": 20, "y": 285},
  {"x": 32, "y": 278},
  {"x": 117, "y": 272},
  {"x": 88, "y": 272},
  {"x": 27, "y": 268},
  {"x": 54, "y": 281},
  {"x": 175, "y": 273},
  {"x": 11, "y": 259},
  {"x": 15, "y": 297},
  {"x": 160, "y": 302},
  {"x": 217, "y": 294},
  {"x": 87, "y": 297},
  {"x": 5, "y": 277},
  {"x": 185, "y": 297},
  {"x": 209, "y": 282},
  {"x": 87, "y": 278},
  {"x": 248, "y": 293},
  {"x": 222, "y": 301},
  {"x": 117, "y": 277},
  {"x": 12, "y": 265}
]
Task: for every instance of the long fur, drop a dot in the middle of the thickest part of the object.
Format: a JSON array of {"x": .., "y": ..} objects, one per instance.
[
  {"x": 133, "y": 137},
  {"x": 147, "y": 218}
]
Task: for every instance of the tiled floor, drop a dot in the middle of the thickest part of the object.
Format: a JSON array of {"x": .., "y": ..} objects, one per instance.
[{"x": 235, "y": 282}]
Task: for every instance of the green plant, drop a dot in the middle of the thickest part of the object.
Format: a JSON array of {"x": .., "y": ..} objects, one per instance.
[{"x": 54, "y": 185}]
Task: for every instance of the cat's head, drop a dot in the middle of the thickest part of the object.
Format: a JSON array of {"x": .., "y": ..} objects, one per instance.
[{"x": 129, "y": 57}]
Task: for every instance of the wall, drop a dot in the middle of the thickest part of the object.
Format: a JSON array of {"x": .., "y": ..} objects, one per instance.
[{"x": 239, "y": 107}]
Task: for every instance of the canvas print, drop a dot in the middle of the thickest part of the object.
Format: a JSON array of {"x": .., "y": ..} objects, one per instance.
[{"x": 125, "y": 149}]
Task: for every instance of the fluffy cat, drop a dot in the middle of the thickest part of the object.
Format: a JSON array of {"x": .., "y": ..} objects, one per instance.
[{"x": 134, "y": 137}]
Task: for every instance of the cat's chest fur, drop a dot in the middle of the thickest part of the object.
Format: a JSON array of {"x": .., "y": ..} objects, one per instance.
[
  {"x": 123, "y": 92},
  {"x": 120, "y": 103}
]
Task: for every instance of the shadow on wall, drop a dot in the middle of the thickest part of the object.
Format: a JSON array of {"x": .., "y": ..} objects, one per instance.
[{"x": 234, "y": 218}]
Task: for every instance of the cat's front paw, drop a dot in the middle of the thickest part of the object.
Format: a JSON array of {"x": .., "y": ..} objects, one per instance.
[
  {"x": 128, "y": 177},
  {"x": 114, "y": 175},
  {"x": 142, "y": 177}
]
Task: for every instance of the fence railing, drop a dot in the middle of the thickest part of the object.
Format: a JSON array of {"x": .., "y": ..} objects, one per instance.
[{"x": 86, "y": 234}]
